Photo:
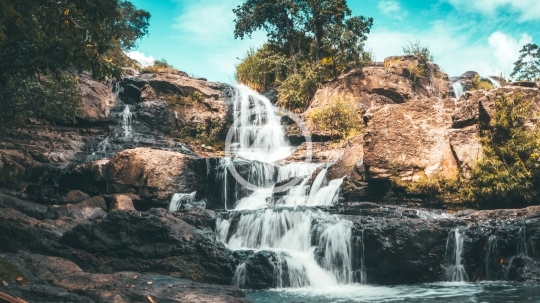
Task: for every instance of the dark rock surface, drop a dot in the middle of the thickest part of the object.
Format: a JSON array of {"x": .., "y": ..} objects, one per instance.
[{"x": 39, "y": 278}]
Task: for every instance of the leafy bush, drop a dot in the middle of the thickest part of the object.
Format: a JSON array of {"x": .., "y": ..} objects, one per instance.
[
  {"x": 160, "y": 66},
  {"x": 298, "y": 89},
  {"x": 509, "y": 172},
  {"x": 177, "y": 99},
  {"x": 479, "y": 83},
  {"x": 343, "y": 118},
  {"x": 262, "y": 68},
  {"x": 416, "y": 49},
  {"x": 52, "y": 97},
  {"x": 212, "y": 134}
]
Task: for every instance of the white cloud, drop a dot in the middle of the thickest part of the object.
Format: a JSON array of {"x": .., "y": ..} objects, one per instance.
[
  {"x": 506, "y": 49},
  {"x": 527, "y": 9},
  {"x": 392, "y": 8},
  {"x": 143, "y": 60},
  {"x": 206, "y": 27}
]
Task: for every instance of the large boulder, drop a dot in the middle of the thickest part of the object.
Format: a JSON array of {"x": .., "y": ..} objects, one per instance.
[
  {"x": 410, "y": 140},
  {"x": 154, "y": 173}
]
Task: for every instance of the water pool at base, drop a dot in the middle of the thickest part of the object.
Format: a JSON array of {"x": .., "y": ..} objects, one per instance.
[{"x": 485, "y": 292}]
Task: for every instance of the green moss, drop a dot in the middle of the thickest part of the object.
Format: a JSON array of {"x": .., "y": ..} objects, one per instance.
[
  {"x": 9, "y": 271},
  {"x": 481, "y": 84}
]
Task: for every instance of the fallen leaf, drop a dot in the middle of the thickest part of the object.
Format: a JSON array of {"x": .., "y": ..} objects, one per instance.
[
  {"x": 149, "y": 282},
  {"x": 19, "y": 279},
  {"x": 5, "y": 284},
  {"x": 136, "y": 277},
  {"x": 150, "y": 299}
]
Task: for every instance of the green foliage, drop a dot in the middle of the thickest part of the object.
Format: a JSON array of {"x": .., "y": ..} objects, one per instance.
[
  {"x": 176, "y": 99},
  {"x": 212, "y": 134},
  {"x": 39, "y": 40},
  {"x": 298, "y": 89},
  {"x": 509, "y": 172},
  {"x": 434, "y": 188},
  {"x": 479, "y": 83},
  {"x": 53, "y": 97},
  {"x": 343, "y": 118},
  {"x": 304, "y": 36},
  {"x": 160, "y": 66},
  {"x": 527, "y": 68},
  {"x": 416, "y": 49},
  {"x": 262, "y": 68}
]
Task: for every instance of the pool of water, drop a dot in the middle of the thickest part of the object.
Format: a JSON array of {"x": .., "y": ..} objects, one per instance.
[{"x": 488, "y": 292}]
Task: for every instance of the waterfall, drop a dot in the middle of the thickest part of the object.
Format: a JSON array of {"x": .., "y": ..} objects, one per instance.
[
  {"x": 179, "y": 201},
  {"x": 126, "y": 121},
  {"x": 458, "y": 89},
  {"x": 257, "y": 130},
  {"x": 306, "y": 246},
  {"x": 455, "y": 267}
]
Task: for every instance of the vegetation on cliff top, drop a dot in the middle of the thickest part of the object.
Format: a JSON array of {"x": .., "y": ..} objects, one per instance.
[
  {"x": 41, "y": 40},
  {"x": 309, "y": 41},
  {"x": 343, "y": 118}
]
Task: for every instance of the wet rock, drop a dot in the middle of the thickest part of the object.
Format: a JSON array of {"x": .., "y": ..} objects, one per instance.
[{"x": 156, "y": 241}]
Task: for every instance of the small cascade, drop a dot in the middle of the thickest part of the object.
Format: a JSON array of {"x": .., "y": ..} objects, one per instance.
[
  {"x": 126, "y": 122},
  {"x": 522, "y": 242},
  {"x": 454, "y": 263},
  {"x": 458, "y": 89},
  {"x": 327, "y": 195},
  {"x": 317, "y": 184},
  {"x": 180, "y": 201},
  {"x": 296, "y": 170},
  {"x": 491, "y": 259},
  {"x": 495, "y": 83}
]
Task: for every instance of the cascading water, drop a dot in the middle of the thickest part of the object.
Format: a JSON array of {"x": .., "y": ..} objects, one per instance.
[
  {"x": 458, "y": 89},
  {"x": 455, "y": 267},
  {"x": 179, "y": 201},
  {"x": 310, "y": 248},
  {"x": 491, "y": 261},
  {"x": 126, "y": 122}
]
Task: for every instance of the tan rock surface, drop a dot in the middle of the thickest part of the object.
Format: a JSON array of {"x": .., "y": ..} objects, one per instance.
[
  {"x": 149, "y": 171},
  {"x": 122, "y": 202}
]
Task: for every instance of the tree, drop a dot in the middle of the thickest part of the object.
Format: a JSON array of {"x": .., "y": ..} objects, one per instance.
[
  {"x": 281, "y": 19},
  {"x": 300, "y": 33},
  {"x": 527, "y": 68},
  {"x": 41, "y": 40},
  {"x": 344, "y": 42},
  {"x": 322, "y": 14}
]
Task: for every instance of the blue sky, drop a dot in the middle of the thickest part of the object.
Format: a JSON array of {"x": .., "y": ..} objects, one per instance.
[{"x": 196, "y": 36}]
